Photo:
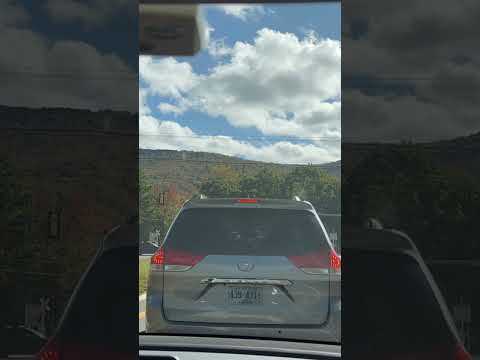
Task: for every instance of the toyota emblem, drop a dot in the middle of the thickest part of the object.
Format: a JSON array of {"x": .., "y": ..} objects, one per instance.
[{"x": 245, "y": 267}]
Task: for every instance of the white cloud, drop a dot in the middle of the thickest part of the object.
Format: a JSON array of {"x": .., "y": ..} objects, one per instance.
[
  {"x": 155, "y": 134},
  {"x": 62, "y": 73},
  {"x": 167, "y": 77},
  {"x": 170, "y": 108},
  {"x": 390, "y": 119},
  {"x": 143, "y": 108},
  {"x": 431, "y": 50},
  {"x": 218, "y": 49},
  {"x": 205, "y": 30},
  {"x": 279, "y": 84},
  {"x": 243, "y": 12}
]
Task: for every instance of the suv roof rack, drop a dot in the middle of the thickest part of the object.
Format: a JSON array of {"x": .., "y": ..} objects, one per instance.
[
  {"x": 373, "y": 223},
  {"x": 198, "y": 196}
]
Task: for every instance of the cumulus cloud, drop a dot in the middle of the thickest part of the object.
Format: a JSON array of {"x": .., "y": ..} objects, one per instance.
[
  {"x": 167, "y": 76},
  {"x": 170, "y": 108},
  {"x": 243, "y": 12},
  {"x": 143, "y": 108},
  {"x": 205, "y": 29},
  {"x": 397, "y": 118},
  {"x": 40, "y": 73},
  {"x": 429, "y": 46},
  {"x": 157, "y": 134},
  {"x": 279, "y": 84},
  {"x": 218, "y": 49}
]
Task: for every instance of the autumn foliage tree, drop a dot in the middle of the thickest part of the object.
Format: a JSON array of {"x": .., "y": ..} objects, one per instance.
[
  {"x": 308, "y": 182},
  {"x": 149, "y": 212},
  {"x": 157, "y": 211}
]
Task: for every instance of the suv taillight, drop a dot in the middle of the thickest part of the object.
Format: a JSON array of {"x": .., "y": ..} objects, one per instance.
[
  {"x": 247, "y": 201},
  {"x": 443, "y": 352},
  {"x": 175, "y": 260},
  {"x": 318, "y": 262},
  {"x": 158, "y": 258},
  {"x": 50, "y": 351},
  {"x": 335, "y": 262},
  {"x": 66, "y": 351},
  {"x": 461, "y": 353},
  {"x": 312, "y": 263}
]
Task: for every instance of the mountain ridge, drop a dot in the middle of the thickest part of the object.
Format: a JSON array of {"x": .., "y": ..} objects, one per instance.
[{"x": 187, "y": 169}]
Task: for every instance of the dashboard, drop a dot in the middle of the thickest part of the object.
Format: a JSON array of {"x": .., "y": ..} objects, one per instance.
[{"x": 169, "y": 347}]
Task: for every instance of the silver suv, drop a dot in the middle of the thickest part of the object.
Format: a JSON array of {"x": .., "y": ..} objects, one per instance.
[{"x": 246, "y": 267}]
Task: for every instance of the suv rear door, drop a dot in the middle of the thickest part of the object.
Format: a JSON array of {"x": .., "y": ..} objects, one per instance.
[{"x": 249, "y": 265}]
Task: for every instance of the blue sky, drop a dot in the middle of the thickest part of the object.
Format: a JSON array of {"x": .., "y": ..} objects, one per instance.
[{"x": 267, "y": 87}]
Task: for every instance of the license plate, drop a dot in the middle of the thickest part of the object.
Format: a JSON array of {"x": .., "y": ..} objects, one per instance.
[{"x": 244, "y": 295}]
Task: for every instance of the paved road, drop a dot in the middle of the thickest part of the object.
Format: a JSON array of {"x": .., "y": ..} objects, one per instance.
[{"x": 141, "y": 313}]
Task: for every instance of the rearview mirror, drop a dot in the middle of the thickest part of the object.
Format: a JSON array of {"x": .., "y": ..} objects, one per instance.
[{"x": 170, "y": 30}]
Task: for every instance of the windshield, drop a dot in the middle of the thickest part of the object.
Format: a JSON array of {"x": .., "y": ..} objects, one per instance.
[{"x": 240, "y": 175}]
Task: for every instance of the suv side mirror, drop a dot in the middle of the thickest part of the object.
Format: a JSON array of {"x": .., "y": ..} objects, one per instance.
[{"x": 373, "y": 223}]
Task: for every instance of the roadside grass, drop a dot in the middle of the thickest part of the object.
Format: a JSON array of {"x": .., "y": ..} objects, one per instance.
[{"x": 144, "y": 266}]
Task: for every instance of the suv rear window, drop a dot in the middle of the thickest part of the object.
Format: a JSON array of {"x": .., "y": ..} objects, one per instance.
[{"x": 248, "y": 231}]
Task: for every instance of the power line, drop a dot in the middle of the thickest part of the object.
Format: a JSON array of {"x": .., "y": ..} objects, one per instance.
[
  {"x": 130, "y": 75},
  {"x": 121, "y": 75},
  {"x": 236, "y": 137},
  {"x": 376, "y": 77},
  {"x": 73, "y": 132},
  {"x": 247, "y": 162},
  {"x": 432, "y": 145},
  {"x": 88, "y": 132}
]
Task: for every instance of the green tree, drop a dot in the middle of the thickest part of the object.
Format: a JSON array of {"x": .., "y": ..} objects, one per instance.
[
  {"x": 268, "y": 184},
  {"x": 223, "y": 182},
  {"x": 13, "y": 211},
  {"x": 249, "y": 186},
  {"x": 12, "y": 227},
  {"x": 12, "y": 199},
  {"x": 308, "y": 182},
  {"x": 315, "y": 185},
  {"x": 149, "y": 213},
  {"x": 169, "y": 210},
  {"x": 405, "y": 190}
]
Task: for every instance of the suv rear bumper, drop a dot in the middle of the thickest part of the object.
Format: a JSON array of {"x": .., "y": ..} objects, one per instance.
[{"x": 155, "y": 323}]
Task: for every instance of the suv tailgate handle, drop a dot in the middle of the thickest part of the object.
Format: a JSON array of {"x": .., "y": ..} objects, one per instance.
[{"x": 246, "y": 281}]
